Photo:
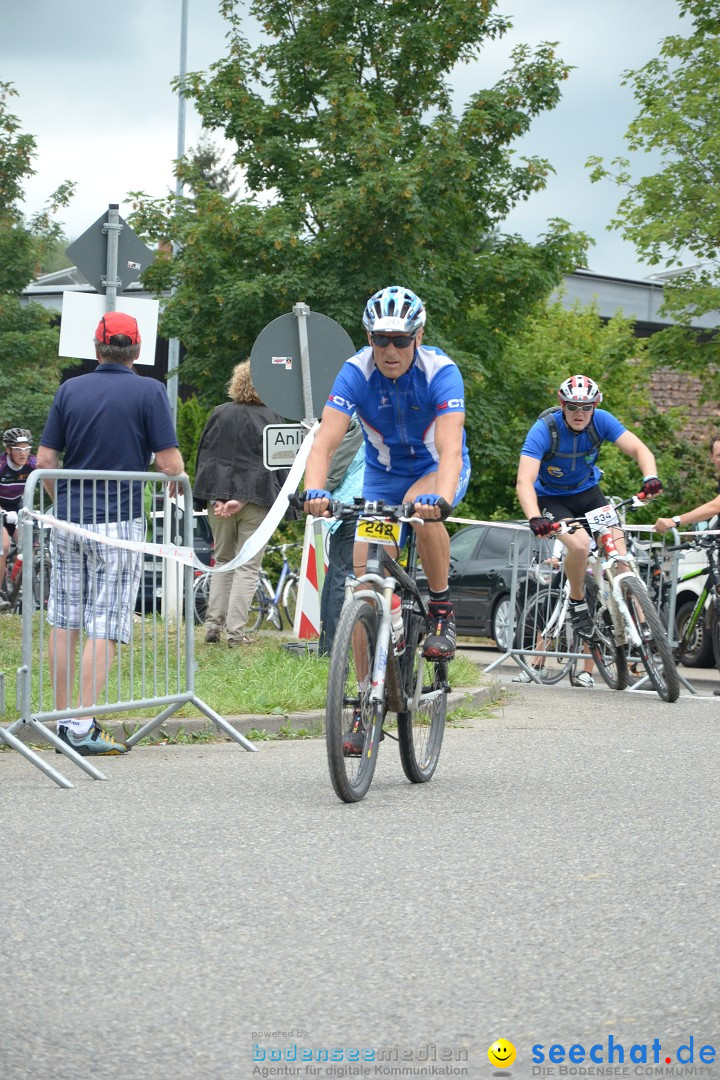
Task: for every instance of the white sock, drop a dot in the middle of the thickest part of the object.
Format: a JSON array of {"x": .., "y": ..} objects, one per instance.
[{"x": 79, "y": 727}]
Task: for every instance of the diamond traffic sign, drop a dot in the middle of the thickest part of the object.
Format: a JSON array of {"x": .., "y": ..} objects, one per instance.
[{"x": 89, "y": 253}]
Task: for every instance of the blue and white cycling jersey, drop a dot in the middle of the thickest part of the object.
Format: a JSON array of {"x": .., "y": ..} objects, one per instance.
[
  {"x": 398, "y": 415},
  {"x": 572, "y": 468}
]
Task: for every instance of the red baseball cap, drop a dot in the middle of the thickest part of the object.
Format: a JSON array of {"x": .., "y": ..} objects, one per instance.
[{"x": 114, "y": 323}]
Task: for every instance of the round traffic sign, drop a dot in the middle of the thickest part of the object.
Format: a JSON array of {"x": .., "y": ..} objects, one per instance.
[{"x": 276, "y": 367}]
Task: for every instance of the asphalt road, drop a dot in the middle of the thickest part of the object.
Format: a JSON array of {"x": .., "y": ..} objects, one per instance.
[{"x": 557, "y": 882}]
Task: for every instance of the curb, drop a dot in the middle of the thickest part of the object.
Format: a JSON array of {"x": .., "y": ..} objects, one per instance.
[{"x": 472, "y": 697}]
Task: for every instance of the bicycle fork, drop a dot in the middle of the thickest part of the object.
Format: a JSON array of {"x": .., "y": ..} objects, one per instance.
[
  {"x": 629, "y": 629},
  {"x": 383, "y": 644}
]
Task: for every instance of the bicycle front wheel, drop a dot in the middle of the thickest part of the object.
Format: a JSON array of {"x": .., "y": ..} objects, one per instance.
[
  {"x": 41, "y": 581},
  {"x": 201, "y": 596},
  {"x": 655, "y": 651},
  {"x": 353, "y": 721},
  {"x": 420, "y": 732},
  {"x": 289, "y": 600},
  {"x": 546, "y": 630},
  {"x": 610, "y": 658},
  {"x": 716, "y": 633}
]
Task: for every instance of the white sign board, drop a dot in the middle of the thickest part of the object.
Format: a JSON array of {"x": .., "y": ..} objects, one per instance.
[
  {"x": 281, "y": 443},
  {"x": 81, "y": 312}
]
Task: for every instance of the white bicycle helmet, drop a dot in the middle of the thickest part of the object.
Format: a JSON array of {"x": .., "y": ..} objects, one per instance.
[
  {"x": 581, "y": 390},
  {"x": 396, "y": 309}
]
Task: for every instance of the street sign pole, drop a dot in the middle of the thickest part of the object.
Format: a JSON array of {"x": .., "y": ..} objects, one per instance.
[
  {"x": 112, "y": 229},
  {"x": 301, "y": 312},
  {"x": 287, "y": 386}
]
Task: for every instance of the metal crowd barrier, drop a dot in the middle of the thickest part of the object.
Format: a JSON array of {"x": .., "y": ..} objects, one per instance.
[
  {"x": 155, "y": 667},
  {"x": 537, "y": 576}
]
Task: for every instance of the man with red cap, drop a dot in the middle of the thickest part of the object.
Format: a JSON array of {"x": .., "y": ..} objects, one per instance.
[{"x": 111, "y": 419}]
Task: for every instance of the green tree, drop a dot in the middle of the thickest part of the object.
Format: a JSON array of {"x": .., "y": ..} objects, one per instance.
[
  {"x": 191, "y": 420},
  {"x": 359, "y": 174},
  {"x": 553, "y": 344},
  {"x": 673, "y": 216},
  {"x": 29, "y": 363},
  {"x": 205, "y": 168}
]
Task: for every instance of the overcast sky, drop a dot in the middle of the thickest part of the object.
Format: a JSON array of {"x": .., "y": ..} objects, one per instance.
[{"x": 94, "y": 89}]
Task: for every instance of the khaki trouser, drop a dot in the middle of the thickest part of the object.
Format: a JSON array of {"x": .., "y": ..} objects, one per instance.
[{"x": 231, "y": 594}]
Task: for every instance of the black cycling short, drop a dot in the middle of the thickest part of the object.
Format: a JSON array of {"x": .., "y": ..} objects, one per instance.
[{"x": 569, "y": 506}]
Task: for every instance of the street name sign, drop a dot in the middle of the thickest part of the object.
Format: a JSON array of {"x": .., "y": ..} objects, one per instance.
[{"x": 281, "y": 444}]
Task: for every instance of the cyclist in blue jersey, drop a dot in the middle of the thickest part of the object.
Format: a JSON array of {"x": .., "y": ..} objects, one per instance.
[
  {"x": 558, "y": 473},
  {"x": 410, "y": 400}
]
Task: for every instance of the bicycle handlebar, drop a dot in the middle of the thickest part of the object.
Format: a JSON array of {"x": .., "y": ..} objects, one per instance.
[
  {"x": 572, "y": 524},
  {"x": 374, "y": 508}
]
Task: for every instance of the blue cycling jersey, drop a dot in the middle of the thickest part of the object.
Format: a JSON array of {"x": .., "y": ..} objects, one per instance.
[
  {"x": 398, "y": 415},
  {"x": 572, "y": 469}
]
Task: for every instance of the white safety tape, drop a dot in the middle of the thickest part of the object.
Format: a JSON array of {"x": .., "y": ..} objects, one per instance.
[
  {"x": 269, "y": 524},
  {"x": 163, "y": 551},
  {"x": 186, "y": 555}
]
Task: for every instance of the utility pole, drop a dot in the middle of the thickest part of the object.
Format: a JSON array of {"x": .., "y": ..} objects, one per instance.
[{"x": 174, "y": 344}]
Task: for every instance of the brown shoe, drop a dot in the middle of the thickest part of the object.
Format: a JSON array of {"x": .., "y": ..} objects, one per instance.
[
  {"x": 244, "y": 639},
  {"x": 212, "y": 637}
]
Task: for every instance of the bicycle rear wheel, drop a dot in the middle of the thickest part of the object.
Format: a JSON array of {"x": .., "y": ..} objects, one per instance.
[
  {"x": 541, "y": 610},
  {"x": 349, "y": 705},
  {"x": 696, "y": 649},
  {"x": 654, "y": 648},
  {"x": 420, "y": 732},
  {"x": 610, "y": 658},
  {"x": 259, "y": 608},
  {"x": 289, "y": 600}
]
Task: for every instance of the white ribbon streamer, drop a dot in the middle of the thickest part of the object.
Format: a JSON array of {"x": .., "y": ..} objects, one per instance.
[{"x": 186, "y": 555}]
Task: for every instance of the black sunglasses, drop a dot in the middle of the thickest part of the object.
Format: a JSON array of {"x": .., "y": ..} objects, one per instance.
[
  {"x": 578, "y": 408},
  {"x": 400, "y": 341}
]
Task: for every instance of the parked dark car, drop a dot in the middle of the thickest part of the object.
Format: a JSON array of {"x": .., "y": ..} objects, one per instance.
[
  {"x": 150, "y": 592},
  {"x": 481, "y": 577}
]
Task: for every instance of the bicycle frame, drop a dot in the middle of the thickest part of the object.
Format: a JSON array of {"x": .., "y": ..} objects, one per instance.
[
  {"x": 708, "y": 592},
  {"x": 274, "y": 596},
  {"x": 380, "y": 595}
]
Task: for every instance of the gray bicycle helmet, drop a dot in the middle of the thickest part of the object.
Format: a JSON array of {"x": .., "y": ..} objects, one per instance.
[
  {"x": 394, "y": 308},
  {"x": 17, "y": 436}
]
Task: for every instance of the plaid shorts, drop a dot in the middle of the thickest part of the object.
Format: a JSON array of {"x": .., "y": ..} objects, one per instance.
[{"x": 95, "y": 582}]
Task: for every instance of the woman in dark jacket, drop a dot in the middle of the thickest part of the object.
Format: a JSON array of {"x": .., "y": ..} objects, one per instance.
[{"x": 231, "y": 477}]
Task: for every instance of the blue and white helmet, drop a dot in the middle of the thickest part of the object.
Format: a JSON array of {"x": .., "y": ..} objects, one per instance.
[{"x": 394, "y": 308}]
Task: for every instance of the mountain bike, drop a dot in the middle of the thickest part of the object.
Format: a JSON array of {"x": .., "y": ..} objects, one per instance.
[
  {"x": 268, "y": 603},
  {"x": 694, "y": 622},
  {"x": 370, "y": 673},
  {"x": 11, "y": 587},
  {"x": 626, "y": 623}
]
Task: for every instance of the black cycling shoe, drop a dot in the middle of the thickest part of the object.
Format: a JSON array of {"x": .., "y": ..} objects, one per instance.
[
  {"x": 440, "y": 642},
  {"x": 581, "y": 620}
]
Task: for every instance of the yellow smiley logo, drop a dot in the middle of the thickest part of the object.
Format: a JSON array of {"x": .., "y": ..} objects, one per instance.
[{"x": 501, "y": 1053}]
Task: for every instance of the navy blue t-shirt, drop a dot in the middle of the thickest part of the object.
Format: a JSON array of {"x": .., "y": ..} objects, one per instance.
[{"x": 112, "y": 419}]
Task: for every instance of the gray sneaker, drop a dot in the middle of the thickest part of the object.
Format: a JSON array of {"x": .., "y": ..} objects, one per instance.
[
  {"x": 94, "y": 742},
  {"x": 584, "y": 679},
  {"x": 523, "y": 676}
]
